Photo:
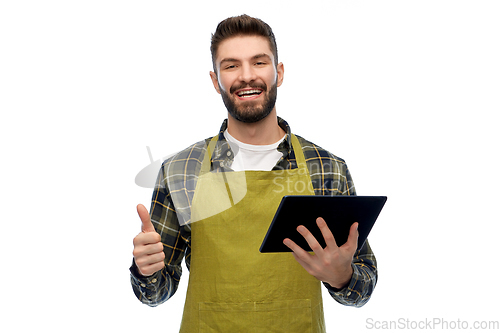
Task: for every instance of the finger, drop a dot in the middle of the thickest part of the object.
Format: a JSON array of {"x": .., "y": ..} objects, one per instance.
[
  {"x": 148, "y": 254},
  {"x": 352, "y": 240},
  {"x": 302, "y": 257},
  {"x": 150, "y": 269},
  {"x": 311, "y": 240},
  {"x": 147, "y": 226},
  {"x": 327, "y": 233},
  {"x": 297, "y": 250},
  {"x": 146, "y": 238},
  {"x": 152, "y": 249},
  {"x": 150, "y": 259},
  {"x": 306, "y": 263}
]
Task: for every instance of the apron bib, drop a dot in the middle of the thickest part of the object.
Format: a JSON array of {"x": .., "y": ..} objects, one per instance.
[{"x": 232, "y": 286}]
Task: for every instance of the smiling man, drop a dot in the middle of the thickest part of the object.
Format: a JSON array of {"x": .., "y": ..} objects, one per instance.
[
  {"x": 248, "y": 79},
  {"x": 214, "y": 201},
  {"x": 247, "y": 75}
]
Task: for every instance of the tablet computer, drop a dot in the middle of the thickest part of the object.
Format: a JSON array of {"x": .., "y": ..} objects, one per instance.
[{"x": 339, "y": 213}]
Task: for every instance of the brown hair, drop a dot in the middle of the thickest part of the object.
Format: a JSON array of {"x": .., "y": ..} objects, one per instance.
[{"x": 242, "y": 25}]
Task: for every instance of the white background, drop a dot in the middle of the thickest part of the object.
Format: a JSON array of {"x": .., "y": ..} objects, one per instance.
[{"x": 407, "y": 92}]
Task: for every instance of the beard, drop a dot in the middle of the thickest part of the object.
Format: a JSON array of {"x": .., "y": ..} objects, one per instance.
[{"x": 249, "y": 111}]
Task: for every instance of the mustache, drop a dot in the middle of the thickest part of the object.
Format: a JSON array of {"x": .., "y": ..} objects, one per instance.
[{"x": 262, "y": 86}]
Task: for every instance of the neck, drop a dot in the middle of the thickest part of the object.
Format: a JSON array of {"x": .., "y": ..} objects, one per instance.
[{"x": 264, "y": 132}]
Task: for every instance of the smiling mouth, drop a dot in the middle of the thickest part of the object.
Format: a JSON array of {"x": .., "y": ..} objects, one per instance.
[{"x": 249, "y": 93}]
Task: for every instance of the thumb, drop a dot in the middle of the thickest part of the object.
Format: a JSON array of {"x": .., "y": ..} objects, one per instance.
[{"x": 147, "y": 226}]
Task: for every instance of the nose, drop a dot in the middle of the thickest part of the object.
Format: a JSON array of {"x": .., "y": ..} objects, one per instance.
[{"x": 247, "y": 73}]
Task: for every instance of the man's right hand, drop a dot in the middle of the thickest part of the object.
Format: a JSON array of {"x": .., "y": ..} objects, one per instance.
[{"x": 148, "y": 249}]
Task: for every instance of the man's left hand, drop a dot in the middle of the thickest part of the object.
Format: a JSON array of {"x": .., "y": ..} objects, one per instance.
[{"x": 331, "y": 264}]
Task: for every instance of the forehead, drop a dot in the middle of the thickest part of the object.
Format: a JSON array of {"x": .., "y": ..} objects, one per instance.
[{"x": 243, "y": 47}]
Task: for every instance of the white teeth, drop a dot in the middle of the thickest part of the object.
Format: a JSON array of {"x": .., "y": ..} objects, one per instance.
[{"x": 248, "y": 92}]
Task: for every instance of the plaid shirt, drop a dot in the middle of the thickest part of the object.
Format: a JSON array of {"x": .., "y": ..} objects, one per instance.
[{"x": 171, "y": 209}]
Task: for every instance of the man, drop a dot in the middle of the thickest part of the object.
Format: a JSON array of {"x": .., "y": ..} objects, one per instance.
[{"x": 213, "y": 203}]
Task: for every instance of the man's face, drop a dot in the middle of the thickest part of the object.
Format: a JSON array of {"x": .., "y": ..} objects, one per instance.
[{"x": 247, "y": 77}]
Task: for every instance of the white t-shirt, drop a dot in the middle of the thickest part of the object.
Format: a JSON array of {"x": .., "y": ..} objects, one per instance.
[{"x": 253, "y": 157}]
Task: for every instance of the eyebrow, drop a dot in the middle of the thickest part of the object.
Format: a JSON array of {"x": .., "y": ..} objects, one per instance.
[
  {"x": 257, "y": 56},
  {"x": 262, "y": 55}
]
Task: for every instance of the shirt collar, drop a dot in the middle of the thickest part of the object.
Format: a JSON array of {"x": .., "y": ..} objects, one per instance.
[{"x": 223, "y": 156}]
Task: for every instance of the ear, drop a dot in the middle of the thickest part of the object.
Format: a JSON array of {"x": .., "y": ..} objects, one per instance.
[
  {"x": 215, "y": 81},
  {"x": 281, "y": 73}
]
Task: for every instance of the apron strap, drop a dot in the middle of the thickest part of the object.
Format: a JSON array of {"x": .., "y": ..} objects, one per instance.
[
  {"x": 205, "y": 166},
  {"x": 299, "y": 154}
]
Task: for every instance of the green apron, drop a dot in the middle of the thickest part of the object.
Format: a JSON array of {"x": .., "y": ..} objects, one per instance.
[{"x": 232, "y": 286}]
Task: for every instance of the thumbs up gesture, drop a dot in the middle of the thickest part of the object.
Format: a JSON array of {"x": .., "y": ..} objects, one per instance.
[{"x": 148, "y": 249}]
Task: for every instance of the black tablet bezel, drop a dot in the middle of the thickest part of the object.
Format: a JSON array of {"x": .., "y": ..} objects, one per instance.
[{"x": 339, "y": 212}]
